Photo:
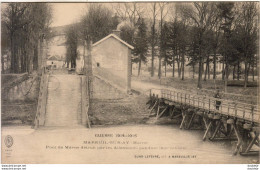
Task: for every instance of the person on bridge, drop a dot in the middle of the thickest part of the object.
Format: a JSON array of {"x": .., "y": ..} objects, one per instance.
[{"x": 218, "y": 103}]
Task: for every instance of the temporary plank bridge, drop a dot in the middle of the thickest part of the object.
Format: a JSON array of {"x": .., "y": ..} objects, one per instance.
[
  {"x": 57, "y": 105},
  {"x": 230, "y": 121}
]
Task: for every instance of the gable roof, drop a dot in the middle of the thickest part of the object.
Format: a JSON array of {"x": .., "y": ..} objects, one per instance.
[
  {"x": 117, "y": 38},
  {"x": 53, "y": 58}
]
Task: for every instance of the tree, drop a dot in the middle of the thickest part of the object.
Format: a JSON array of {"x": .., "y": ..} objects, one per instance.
[
  {"x": 165, "y": 46},
  {"x": 227, "y": 17},
  {"x": 153, "y": 35},
  {"x": 193, "y": 48},
  {"x": 172, "y": 42},
  {"x": 72, "y": 41},
  {"x": 127, "y": 33},
  {"x": 163, "y": 13},
  {"x": 129, "y": 12},
  {"x": 98, "y": 22},
  {"x": 26, "y": 23},
  {"x": 141, "y": 43},
  {"x": 246, "y": 26},
  {"x": 201, "y": 15}
]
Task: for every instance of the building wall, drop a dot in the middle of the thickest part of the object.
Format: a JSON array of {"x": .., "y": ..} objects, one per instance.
[
  {"x": 103, "y": 90},
  {"x": 110, "y": 60},
  {"x": 56, "y": 46},
  {"x": 53, "y": 63}
]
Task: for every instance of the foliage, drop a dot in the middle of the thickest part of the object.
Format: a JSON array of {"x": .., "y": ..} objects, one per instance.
[
  {"x": 140, "y": 41},
  {"x": 72, "y": 41},
  {"x": 25, "y": 24},
  {"x": 98, "y": 22}
]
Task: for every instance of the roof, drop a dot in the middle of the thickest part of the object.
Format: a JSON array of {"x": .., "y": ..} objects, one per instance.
[
  {"x": 53, "y": 58},
  {"x": 56, "y": 58},
  {"x": 117, "y": 38}
]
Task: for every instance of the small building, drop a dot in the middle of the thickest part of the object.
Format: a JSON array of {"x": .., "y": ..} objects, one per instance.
[
  {"x": 111, "y": 61},
  {"x": 55, "y": 62}
]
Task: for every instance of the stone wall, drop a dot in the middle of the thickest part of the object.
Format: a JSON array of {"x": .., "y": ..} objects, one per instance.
[
  {"x": 25, "y": 90},
  {"x": 104, "y": 90}
]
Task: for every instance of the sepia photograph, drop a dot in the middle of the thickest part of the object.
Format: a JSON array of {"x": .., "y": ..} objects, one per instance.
[{"x": 163, "y": 82}]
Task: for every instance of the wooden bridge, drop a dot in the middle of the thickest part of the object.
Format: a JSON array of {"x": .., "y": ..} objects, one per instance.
[
  {"x": 63, "y": 101},
  {"x": 230, "y": 121},
  {"x": 72, "y": 104}
]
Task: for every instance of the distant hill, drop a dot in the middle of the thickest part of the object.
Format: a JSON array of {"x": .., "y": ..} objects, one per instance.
[{"x": 59, "y": 30}]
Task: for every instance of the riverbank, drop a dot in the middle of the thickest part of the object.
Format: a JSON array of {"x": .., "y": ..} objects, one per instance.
[{"x": 234, "y": 92}]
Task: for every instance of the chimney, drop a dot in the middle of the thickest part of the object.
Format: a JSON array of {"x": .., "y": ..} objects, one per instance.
[{"x": 116, "y": 32}]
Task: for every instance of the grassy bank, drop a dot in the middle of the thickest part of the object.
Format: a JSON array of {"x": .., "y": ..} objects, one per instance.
[
  {"x": 130, "y": 110},
  {"x": 235, "y": 89}
]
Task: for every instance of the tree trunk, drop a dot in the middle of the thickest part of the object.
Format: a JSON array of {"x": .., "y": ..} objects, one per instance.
[
  {"x": 234, "y": 70},
  {"x": 12, "y": 53},
  {"x": 214, "y": 64},
  {"x": 131, "y": 73},
  {"x": 3, "y": 65},
  {"x": 248, "y": 70},
  {"x": 200, "y": 73},
  {"x": 179, "y": 69},
  {"x": 152, "y": 64},
  {"x": 246, "y": 75},
  {"x": 253, "y": 72},
  {"x": 35, "y": 57},
  {"x": 165, "y": 66},
  {"x": 16, "y": 61},
  {"x": 208, "y": 72},
  {"x": 207, "y": 68},
  {"x": 173, "y": 66},
  {"x": 183, "y": 63},
  {"x": 139, "y": 66},
  {"x": 153, "y": 44},
  {"x": 159, "y": 68},
  {"x": 226, "y": 74},
  {"x": 193, "y": 68},
  {"x": 238, "y": 70},
  {"x": 223, "y": 71}
]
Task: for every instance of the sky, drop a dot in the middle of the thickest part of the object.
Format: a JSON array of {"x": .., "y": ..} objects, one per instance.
[{"x": 67, "y": 13}]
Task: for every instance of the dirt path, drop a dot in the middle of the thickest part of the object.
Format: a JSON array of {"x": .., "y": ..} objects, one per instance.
[{"x": 144, "y": 86}]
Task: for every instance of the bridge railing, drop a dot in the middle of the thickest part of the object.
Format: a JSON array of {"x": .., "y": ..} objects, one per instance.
[
  {"x": 85, "y": 104},
  {"x": 230, "y": 108},
  {"x": 42, "y": 100}
]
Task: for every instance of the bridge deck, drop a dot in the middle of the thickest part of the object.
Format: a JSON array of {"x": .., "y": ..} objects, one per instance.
[
  {"x": 229, "y": 108},
  {"x": 63, "y": 101}
]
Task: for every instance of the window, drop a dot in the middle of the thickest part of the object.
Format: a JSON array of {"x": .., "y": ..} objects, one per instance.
[{"x": 98, "y": 65}]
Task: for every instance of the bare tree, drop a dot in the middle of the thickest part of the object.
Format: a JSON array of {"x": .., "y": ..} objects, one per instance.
[
  {"x": 129, "y": 11},
  {"x": 201, "y": 14},
  {"x": 163, "y": 13},
  {"x": 97, "y": 22},
  {"x": 154, "y": 10},
  {"x": 246, "y": 24},
  {"x": 25, "y": 23}
]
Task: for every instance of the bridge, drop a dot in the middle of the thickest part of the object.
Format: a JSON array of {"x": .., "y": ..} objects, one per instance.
[
  {"x": 63, "y": 101},
  {"x": 63, "y": 98},
  {"x": 231, "y": 121}
]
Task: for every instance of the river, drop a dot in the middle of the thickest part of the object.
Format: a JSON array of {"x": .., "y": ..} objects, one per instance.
[{"x": 116, "y": 144}]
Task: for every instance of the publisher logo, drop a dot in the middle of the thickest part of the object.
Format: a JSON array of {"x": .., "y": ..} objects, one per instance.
[{"x": 9, "y": 141}]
